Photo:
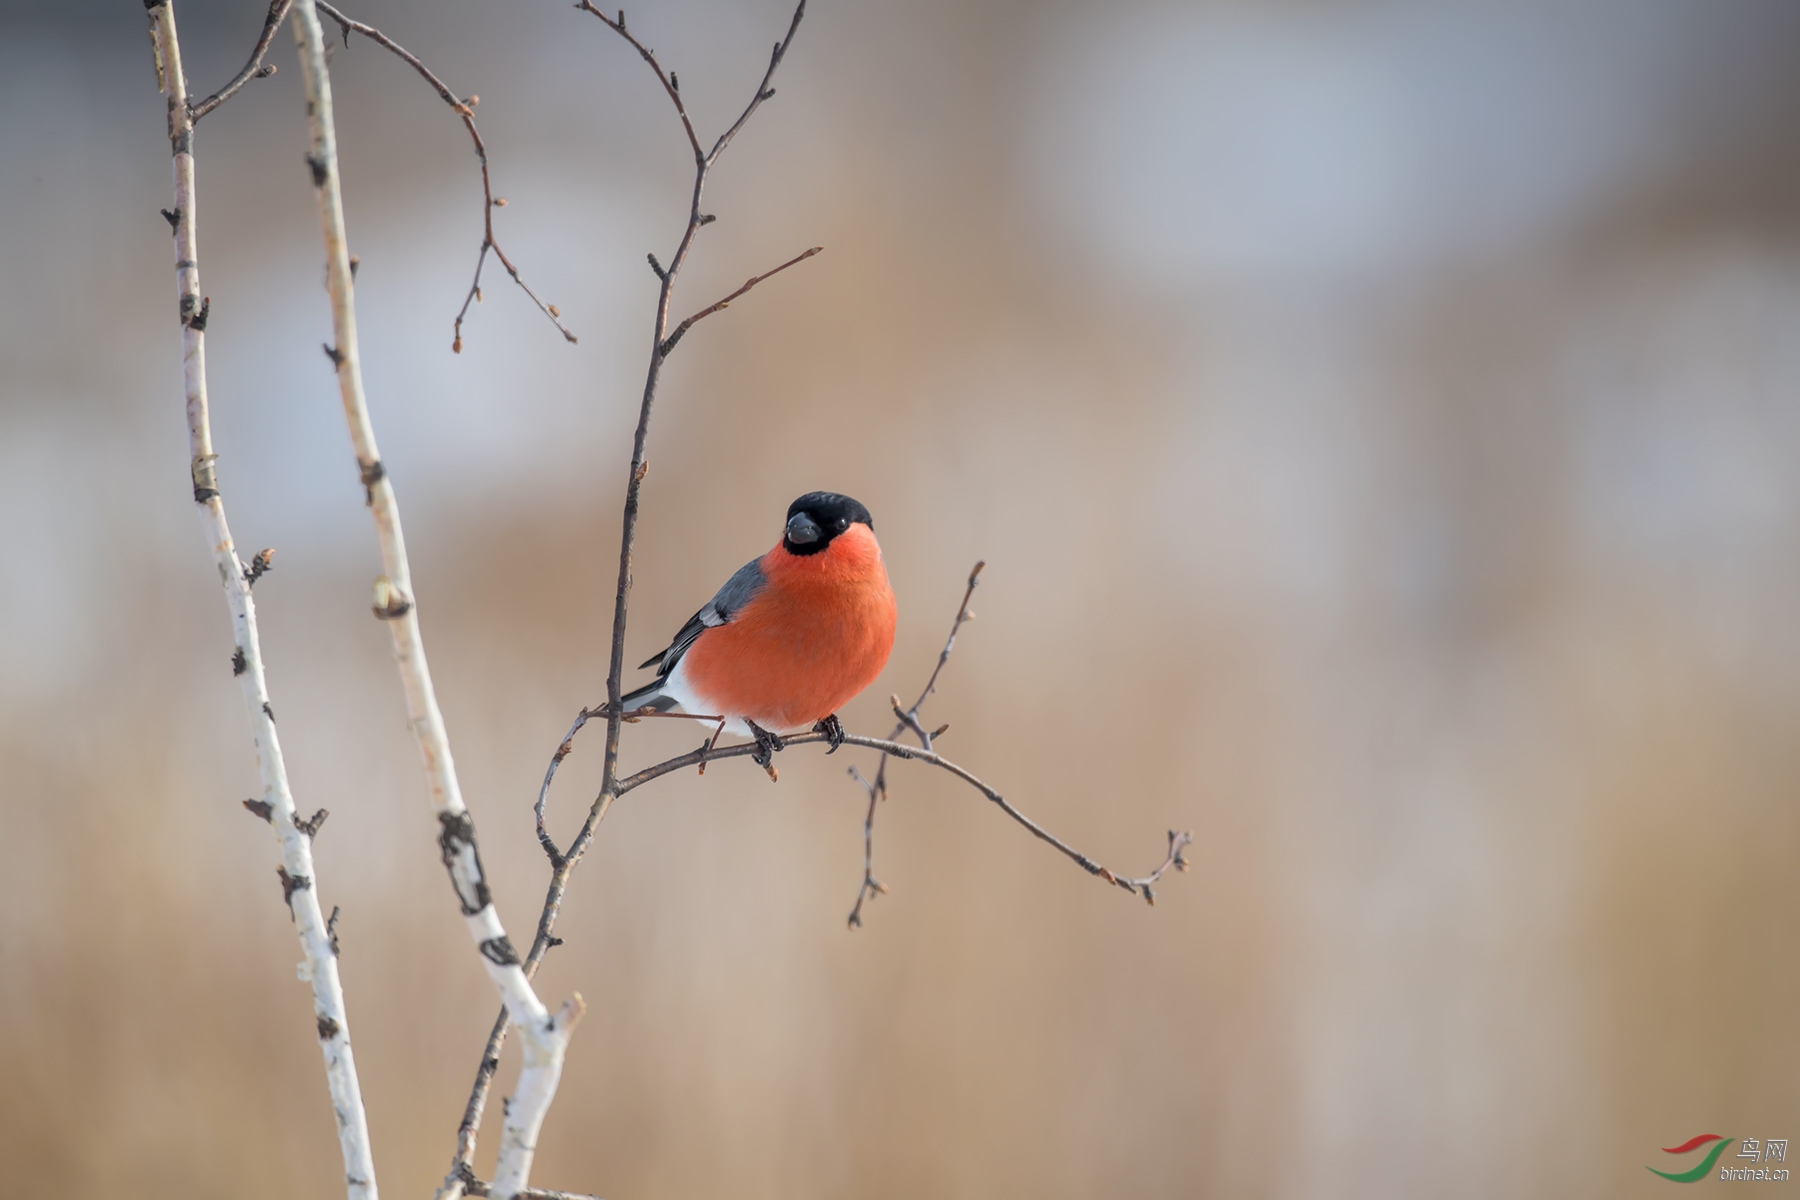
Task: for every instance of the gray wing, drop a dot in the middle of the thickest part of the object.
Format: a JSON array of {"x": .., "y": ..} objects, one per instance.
[{"x": 730, "y": 599}]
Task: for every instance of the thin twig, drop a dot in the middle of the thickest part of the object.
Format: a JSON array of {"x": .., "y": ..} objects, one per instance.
[
  {"x": 908, "y": 719},
  {"x": 254, "y": 69},
  {"x": 871, "y": 886},
  {"x": 478, "y": 1187},
  {"x": 1138, "y": 886},
  {"x": 317, "y": 935},
  {"x": 668, "y": 343},
  {"x": 763, "y": 90},
  {"x": 563, "y": 750},
  {"x": 545, "y": 1037},
  {"x": 662, "y": 76},
  {"x": 466, "y": 110}
]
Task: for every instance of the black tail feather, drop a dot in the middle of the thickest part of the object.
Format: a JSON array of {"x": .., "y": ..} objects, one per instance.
[{"x": 649, "y": 696}]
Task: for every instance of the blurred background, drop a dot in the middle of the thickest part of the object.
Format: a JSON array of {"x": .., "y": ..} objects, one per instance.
[{"x": 1382, "y": 425}]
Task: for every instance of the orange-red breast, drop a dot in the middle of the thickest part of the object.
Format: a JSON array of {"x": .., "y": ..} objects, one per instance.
[{"x": 791, "y": 637}]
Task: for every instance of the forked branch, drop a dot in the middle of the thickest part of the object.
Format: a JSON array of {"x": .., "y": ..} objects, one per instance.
[
  {"x": 1137, "y": 886},
  {"x": 908, "y": 719},
  {"x": 475, "y": 1187},
  {"x": 671, "y": 83},
  {"x": 763, "y": 90},
  {"x": 1143, "y": 885},
  {"x": 668, "y": 343},
  {"x": 660, "y": 342},
  {"x": 464, "y": 109},
  {"x": 254, "y": 69},
  {"x": 563, "y": 863}
]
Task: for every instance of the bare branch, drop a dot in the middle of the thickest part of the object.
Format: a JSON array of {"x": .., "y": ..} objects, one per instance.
[
  {"x": 318, "y": 939},
  {"x": 254, "y": 69},
  {"x": 908, "y": 719},
  {"x": 963, "y": 617},
  {"x": 871, "y": 886},
  {"x": 660, "y": 343},
  {"x": 464, "y": 109},
  {"x": 545, "y": 1037},
  {"x": 475, "y": 1187},
  {"x": 663, "y": 77},
  {"x": 763, "y": 90},
  {"x": 639, "y": 466},
  {"x": 1139, "y": 886},
  {"x": 668, "y": 343},
  {"x": 562, "y": 866},
  {"x": 562, "y": 752}
]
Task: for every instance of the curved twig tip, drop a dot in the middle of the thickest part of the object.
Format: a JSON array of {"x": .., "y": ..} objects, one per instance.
[{"x": 463, "y": 108}]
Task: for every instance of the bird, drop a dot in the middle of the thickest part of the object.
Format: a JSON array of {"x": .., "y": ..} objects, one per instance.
[{"x": 790, "y": 638}]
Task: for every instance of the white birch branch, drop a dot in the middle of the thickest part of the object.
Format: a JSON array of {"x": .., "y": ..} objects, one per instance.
[
  {"x": 544, "y": 1037},
  {"x": 319, "y": 965}
]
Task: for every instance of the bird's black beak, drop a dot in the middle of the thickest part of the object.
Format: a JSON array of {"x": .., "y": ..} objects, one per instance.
[{"x": 802, "y": 530}]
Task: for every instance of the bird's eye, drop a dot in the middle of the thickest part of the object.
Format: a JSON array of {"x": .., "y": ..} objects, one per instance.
[{"x": 843, "y": 523}]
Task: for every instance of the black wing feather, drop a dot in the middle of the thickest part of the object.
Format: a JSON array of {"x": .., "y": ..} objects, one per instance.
[{"x": 743, "y": 585}]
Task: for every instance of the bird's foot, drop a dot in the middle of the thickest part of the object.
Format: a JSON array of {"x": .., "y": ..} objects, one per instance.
[
  {"x": 833, "y": 729},
  {"x": 766, "y": 745}
]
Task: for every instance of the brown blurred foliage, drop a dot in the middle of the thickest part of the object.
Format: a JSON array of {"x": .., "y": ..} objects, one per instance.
[{"x": 1380, "y": 422}]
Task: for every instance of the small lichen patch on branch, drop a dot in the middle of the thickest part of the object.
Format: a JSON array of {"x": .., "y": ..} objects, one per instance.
[
  {"x": 205, "y": 472},
  {"x": 462, "y": 860},
  {"x": 500, "y": 952},
  {"x": 372, "y": 474},
  {"x": 291, "y": 884}
]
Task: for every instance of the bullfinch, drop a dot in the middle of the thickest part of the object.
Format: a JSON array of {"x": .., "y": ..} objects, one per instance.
[{"x": 791, "y": 637}]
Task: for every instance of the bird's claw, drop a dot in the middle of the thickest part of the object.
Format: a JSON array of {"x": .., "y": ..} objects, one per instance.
[
  {"x": 833, "y": 729},
  {"x": 766, "y": 745}
]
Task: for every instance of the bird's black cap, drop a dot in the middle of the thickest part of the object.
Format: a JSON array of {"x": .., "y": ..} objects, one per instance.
[{"x": 817, "y": 517}]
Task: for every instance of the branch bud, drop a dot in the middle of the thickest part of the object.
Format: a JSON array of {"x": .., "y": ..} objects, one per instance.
[{"x": 390, "y": 602}]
